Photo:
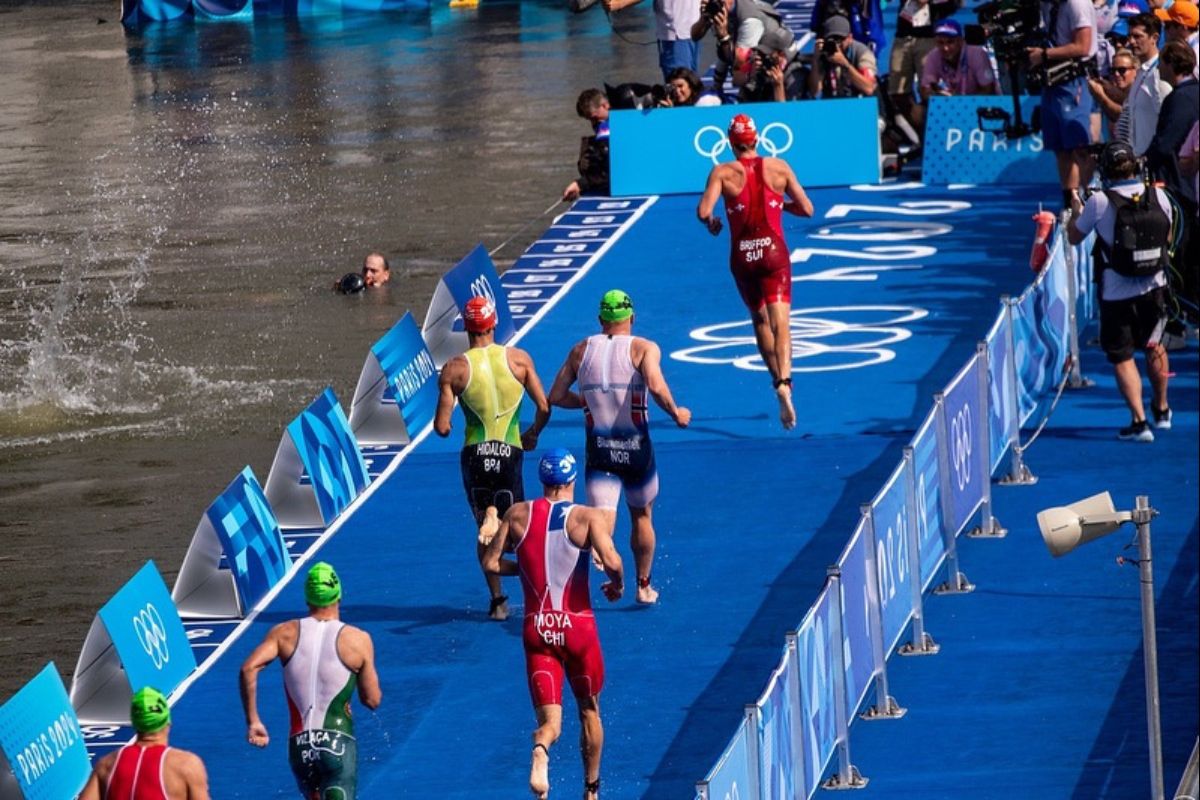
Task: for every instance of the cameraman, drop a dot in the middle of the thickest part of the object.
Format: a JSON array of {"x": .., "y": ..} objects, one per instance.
[
  {"x": 841, "y": 66},
  {"x": 1070, "y": 27},
  {"x": 741, "y": 28},
  {"x": 593, "y": 106}
]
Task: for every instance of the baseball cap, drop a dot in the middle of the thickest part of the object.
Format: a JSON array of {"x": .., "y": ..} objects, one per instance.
[
  {"x": 742, "y": 130},
  {"x": 1131, "y": 8},
  {"x": 557, "y": 467},
  {"x": 322, "y": 587},
  {"x": 479, "y": 315},
  {"x": 616, "y": 306},
  {"x": 1115, "y": 154},
  {"x": 149, "y": 710},
  {"x": 948, "y": 27},
  {"x": 837, "y": 25},
  {"x": 1182, "y": 12},
  {"x": 1119, "y": 28}
]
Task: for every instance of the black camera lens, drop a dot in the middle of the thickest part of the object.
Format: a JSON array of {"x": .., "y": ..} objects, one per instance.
[{"x": 831, "y": 45}]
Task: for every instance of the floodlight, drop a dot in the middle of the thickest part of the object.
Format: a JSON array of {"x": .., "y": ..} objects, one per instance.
[{"x": 1066, "y": 527}]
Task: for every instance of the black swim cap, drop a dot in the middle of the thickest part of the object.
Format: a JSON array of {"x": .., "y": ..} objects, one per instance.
[{"x": 350, "y": 283}]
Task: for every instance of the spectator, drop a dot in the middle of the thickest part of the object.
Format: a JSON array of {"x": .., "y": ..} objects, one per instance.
[
  {"x": 1189, "y": 158},
  {"x": 1139, "y": 115},
  {"x": 841, "y": 66},
  {"x": 684, "y": 88},
  {"x": 1182, "y": 21},
  {"x": 1110, "y": 94},
  {"x": 593, "y": 106},
  {"x": 673, "y": 21},
  {"x": 1132, "y": 309},
  {"x": 1066, "y": 109},
  {"x": 866, "y": 20},
  {"x": 913, "y": 44},
  {"x": 956, "y": 68},
  {"x": 742, "y": 28},
  {"x": 1180, "y": 112}
]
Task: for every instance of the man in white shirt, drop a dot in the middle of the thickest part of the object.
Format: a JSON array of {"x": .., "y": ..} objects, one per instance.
[{"x": 1139, "y": 116}]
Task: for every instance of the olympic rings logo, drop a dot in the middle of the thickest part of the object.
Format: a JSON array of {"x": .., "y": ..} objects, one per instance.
[
  {"x": 960, "y": 446},
  {"x": 711, "y": 142},
  {"x": 152, "y": 635}
]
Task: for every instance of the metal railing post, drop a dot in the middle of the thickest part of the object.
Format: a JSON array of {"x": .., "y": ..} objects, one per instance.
[
  {"x": 989, "y": 527},
  {"x": 956, "y": 581},
  {"x": 847, "y": 775},
  {"x": 1018, "y": 473},
  {"x": 885, "y": 706},
  {"x": 1076, "y": 379},
  {"x": 754, "y": 790},
  {"x": 922, "y": 643}
]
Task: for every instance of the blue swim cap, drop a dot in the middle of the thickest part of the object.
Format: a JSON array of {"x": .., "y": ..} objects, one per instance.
[{"x": 557, "y": 467}]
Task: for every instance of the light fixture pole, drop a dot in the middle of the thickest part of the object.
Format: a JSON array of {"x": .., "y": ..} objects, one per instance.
[{"x": 1142, "y": 514}]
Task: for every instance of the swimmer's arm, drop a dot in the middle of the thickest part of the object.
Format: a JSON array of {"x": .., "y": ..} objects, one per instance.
[
  {"x": 370, "y": 694},
  {"x": 492, "y": 562},
  {"x": 263, "y": 655},
  {"x": 656, "y": 383},
  {"x": 600, "y": 538},
  {"x": 799, "y": 204},
  {"x": 533, "y": 388},
  {"x": 446, "y": 398},
  {"x": 560, "y": 393},
  {"x": 708, "y": 202},
  {"x": 195, "y": 776},
  {"x": 99, "y": 777}
]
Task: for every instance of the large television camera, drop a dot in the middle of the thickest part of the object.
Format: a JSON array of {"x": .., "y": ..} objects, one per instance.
[{"x": 1011, "y": 27}]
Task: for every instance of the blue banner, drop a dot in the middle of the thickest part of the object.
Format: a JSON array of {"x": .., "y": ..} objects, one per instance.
[
  {"x": 672, "y": 150},
  {"x": 330, "y": 455},
  {"x": 731, "y": 776},
  {"x": 475, "y": 276},
  {"x": 856, "y": 621},
  {"x": 147, "y": 633},
  {"x": 410, "y": 373},
  {"x": 1000, "y": 412},
  {"x": 1033, "y": 357},
  {"x": 957, "y": 151},
  {"x": 930, "y": 525},
  {"x": 250, "y": 538},
  {"x": 775, "y": 725},
  {"x": 42, "y": 741},
  {"x": 818, "y": 729},
  {"x": 963, "y": 425},
  {"x": 889, "y": 515}
]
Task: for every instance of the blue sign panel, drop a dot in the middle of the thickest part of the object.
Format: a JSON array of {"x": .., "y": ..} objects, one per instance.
[
  {"x": 929, "y": 501},
  {"x": 856, "y": 621},
  {"x": 1031, "y": 354},
  {"x": 147, "y": 633},
  {"x": 42, "y": 741},
  {"x": 475, "y": 276},
  {"x": 818, "y": 729},
  {"x": 731, "y": 776},
  {"x": 250, "y": 538},
  {"x": 889, "y": 515},
  {"x": 409, "y": 371},
  {"x": 330, "y": 455},
  {"x": 957, "y": 151},
  {"x": 775, "y": 726},
  {"x": 963, "y": 423},
  {"x": 1000, "y": 413},
  {"x": 672, "y": 150}
]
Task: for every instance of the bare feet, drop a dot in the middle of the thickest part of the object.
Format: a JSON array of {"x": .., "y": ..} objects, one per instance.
[
  {"x": 539, "y": 772},
  {"x": 787, "y": 414},
  {"x": 490, "y": 526},
  {"x": 499, "y": 608},
  {"x": 646, "y": 595}
]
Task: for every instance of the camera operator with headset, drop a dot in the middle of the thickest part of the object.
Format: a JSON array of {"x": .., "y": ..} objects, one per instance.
[
  {"x": 1135, "y": 227},
  {"x": 841, "y": 66},
  {"x": 743, "y": 27},
  {"x": 1070, "y": 27}
]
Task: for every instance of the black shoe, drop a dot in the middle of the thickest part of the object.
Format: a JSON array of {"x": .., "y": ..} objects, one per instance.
[
  {"x": 1136, "y": 432},
  {"x": 1162, "y": 419}
]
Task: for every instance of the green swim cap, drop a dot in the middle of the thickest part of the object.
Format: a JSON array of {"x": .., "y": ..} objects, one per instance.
[
  {"x": 149, "y": 710},
  {"x": 322, "y": 587},
  {"x": 615, "y": 306}
]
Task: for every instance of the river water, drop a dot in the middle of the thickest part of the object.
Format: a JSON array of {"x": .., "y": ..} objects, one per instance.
[{"x": 175, "y": 205}]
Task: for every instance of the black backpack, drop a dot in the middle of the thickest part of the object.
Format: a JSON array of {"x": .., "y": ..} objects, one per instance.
[{"x": 1141, "y": 235}]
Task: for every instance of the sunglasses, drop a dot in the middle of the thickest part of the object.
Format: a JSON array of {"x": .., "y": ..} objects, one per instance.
[{"x": 1122, "y": 70}]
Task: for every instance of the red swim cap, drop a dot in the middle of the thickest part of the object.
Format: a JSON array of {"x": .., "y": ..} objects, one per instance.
[
  {"x": 479, "y": 315},
  {"x": 742, "y": 131}
]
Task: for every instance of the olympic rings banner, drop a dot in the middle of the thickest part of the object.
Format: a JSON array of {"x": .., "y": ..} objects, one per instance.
[
  {"x": 672, "y": 150},
  {"x": 136, "y": 640}
]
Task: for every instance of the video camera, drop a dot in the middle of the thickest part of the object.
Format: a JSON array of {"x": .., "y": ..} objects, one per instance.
[{"x": 1010, "y": 26}]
